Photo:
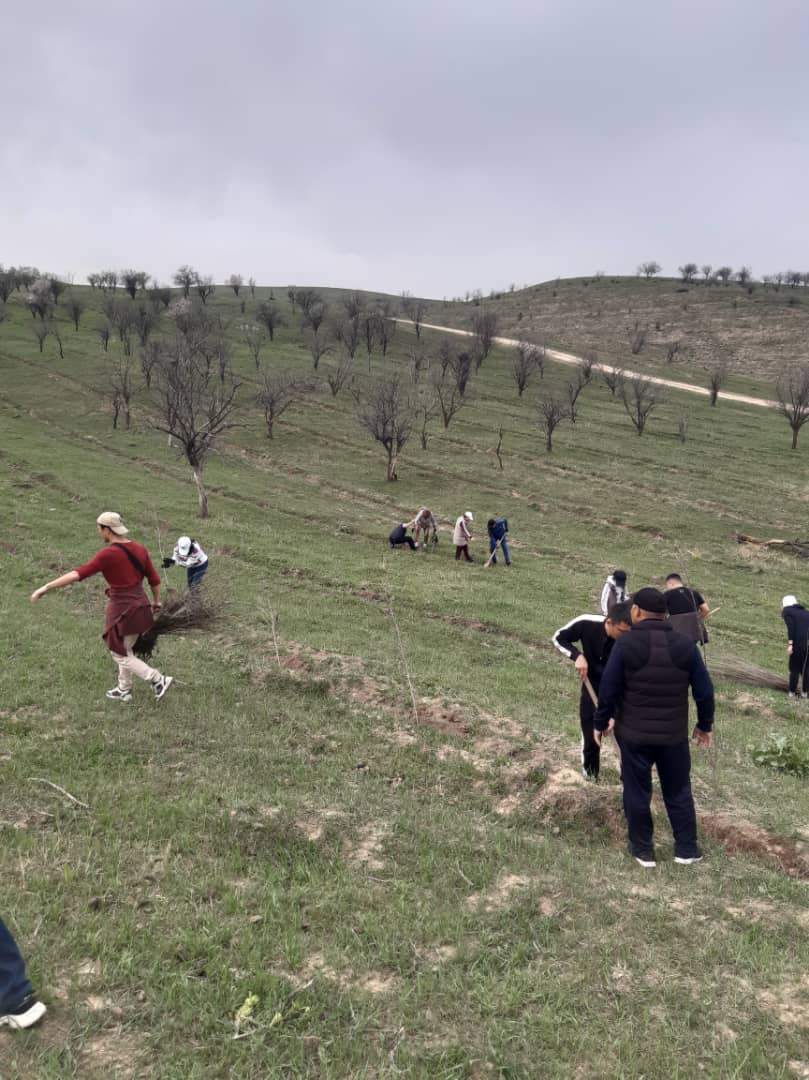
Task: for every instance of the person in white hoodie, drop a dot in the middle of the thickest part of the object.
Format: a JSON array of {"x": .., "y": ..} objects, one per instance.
[
  {"x": 614, "y": 591},
  {"x": 462, "y": 535},
  {"x": 189, "y": 553}
]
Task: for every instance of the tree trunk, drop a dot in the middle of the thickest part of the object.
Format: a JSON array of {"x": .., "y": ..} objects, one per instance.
[
  {"x": 203, "y": 498},
  {"x": 391, "y": 472},
  {"x": 795, "y": 431}
]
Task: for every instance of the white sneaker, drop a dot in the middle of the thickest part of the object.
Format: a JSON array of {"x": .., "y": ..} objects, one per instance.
[
  {"x": 161, "y": 686},
  {"x": 117, "y": 694},
  {"x": 27, "y": 1013}
]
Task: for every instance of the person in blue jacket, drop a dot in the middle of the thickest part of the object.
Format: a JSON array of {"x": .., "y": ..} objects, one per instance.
[{"x": 498, "y": 530}]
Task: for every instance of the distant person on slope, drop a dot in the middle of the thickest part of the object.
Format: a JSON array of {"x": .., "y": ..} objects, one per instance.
[
  {"x": 188, "y": 553},
  {"x": 399, "y": 536},
  {"x": 498, "y": 530},
  {"x": 614, "y": 591},
  {"x": 129, "y": 614},
  {"x": 796, "y": 617},
  {"x": 596, "y": 634},
  {"x": 687, "y": 609},
  {"x": 425, "y": 526},
  {"x": 461, "y": 536}
]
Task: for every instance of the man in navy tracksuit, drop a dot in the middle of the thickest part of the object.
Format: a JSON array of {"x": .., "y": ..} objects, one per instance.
[
  {"x": 796, "y": 617},
  {"x": 596, "y": 635},
  {"x": 498, "y": 530},
  {"x": 645, "y": 689}
]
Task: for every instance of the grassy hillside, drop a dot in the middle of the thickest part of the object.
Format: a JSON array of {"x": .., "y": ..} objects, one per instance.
[
  {"x": 426, "y": 893},
  {"x": 756, "y": 329}
]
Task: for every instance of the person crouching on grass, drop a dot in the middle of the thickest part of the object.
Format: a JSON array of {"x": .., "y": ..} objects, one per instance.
[
  {"x": 596, "y": 635},
  {"x": 188, "y": 553},
  {"x": 124, "y": 564}
]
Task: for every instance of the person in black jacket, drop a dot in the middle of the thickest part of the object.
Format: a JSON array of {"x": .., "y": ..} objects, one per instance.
[
  {"x": 596, "y": 635},
  {"x": 796, "y": 617},
  {"x": 687, "y": 609},
  {"x": 644, "y": 697},
  {"x": 399, "y": 536}
]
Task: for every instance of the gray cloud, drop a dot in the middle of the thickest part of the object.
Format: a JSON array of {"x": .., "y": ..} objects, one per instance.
[{"x": 436, "y": 147}]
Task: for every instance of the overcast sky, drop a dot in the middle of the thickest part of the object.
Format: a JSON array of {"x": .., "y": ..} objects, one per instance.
[{"x": 430, "y": 145}]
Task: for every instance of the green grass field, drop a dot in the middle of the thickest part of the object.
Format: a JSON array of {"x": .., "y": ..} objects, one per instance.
[{"x": 432, "y": 895}]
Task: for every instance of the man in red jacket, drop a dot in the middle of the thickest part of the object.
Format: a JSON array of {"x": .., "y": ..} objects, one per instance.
[{"x": 124, "y": 564}]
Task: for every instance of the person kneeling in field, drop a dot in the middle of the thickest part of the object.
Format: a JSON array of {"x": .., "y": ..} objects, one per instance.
[
  {"x": 129, "y": 614},
  {"x": 399, "y": 537},
  {"x": 188, "y": 553},
  {"x": 596, "y": 634}
]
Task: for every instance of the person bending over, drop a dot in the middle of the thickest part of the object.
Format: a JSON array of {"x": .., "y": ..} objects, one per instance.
[
  {"x": 399, "y": 537},
  {"x": 189, "y": 553},
  {"x": 498, "y": 530},
  {"x": 796, "y": 617}
]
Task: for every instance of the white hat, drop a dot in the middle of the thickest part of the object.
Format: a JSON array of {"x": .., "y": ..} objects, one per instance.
[
  {"x": 184, "y": 545},
  {"x": 788, "y": 601},
  {"x": 112, "y": 521},
  {"x": 468, "y": 515}
]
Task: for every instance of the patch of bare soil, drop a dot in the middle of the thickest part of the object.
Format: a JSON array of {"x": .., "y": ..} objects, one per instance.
[
  {"x": 789, "y": 1002},
  {"x": 112, "y": 1054},
  {"x": 313, "y": 824},
  {"x": 367, "y": 851},
  {"x": 315, "y": 966},
  {"x": 499, "y": 896},
  {"x": 470, "y": 624},
  {"x": 739, "y": 837}
]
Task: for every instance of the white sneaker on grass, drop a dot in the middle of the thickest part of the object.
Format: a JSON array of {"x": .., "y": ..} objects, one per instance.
[
  {"x": 117, "y": 694},
  {"x": 25, "y": 1015},
  {"x": 161, "y": 686}
]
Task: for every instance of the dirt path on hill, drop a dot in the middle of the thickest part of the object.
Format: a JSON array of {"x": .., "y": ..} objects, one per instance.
[{"x": 570, "y": 358}]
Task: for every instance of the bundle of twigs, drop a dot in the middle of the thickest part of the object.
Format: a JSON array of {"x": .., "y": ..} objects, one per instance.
[
  {"x": 793, "y": 547},
  {"x": 191, "y": 610},
  {"x": 735, "y": 670}
]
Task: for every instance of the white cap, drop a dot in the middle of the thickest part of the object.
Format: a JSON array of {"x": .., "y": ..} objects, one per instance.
[
  {"x": 468, "y": 515},
  {"x": 112, "y": 521},
  {"x": 788, "y": 601},
  {"x": 184, "y": 545}
]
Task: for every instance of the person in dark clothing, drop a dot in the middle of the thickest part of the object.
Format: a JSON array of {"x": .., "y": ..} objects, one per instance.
[
  {"x": 399, "y": 536},
  {"x": 796, "y": 617},
  {"x": 19, "y": 1007},
  {"x": 498, "y": 529},
  {"x": 687, "y": 609},
  {"x": 644, "y": 696},
  {"x": 596, "y": 635}
]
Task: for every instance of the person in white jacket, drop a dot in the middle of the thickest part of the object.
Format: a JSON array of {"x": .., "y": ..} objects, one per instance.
[
  {"x": 462, "y": 535},
  {"x": 189, "y": 553},
  {"x": 614, "y": 591}
]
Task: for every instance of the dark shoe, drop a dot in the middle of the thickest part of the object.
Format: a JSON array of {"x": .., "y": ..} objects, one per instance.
[{"x": 25, "y": 1015}]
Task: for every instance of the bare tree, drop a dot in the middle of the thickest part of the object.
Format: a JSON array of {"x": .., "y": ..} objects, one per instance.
[
  {"x": 121, "y": 385},
  {"x": 388, "y": 415},
  {"x": 613, "y": 377},
  {"x": 144, "y": 322},
  {"x": 792, "y": 389},
  {"x": 682, "y": 427},
  {"x": 687, "y": 271},
  {"x": 159, "y": 296},
  {"x": 235, "y": 281},
  {"x": 717, "y": 374},
  {"x": 41, "y": 331},
  {"x": 276, "y": 393},
  {"x": 339, "y": 376},
  {"x": 57, "y": 337},
  {"x": 649, "y": 269},
  {"x": 104, "y": 335},
  {"x": 292, "y": 296},
  {"x": 205, "y": 288},
  {"x": 498, "y": 450},
  {"x": 637, "y": 337},
  {"x": 575, "y": 386},
  {"x": 74, "y": 308},
  {"x": 40, "y": 299},
  {"x": 314, "y": 315},
  {"x": 7, "y": 284},
  {"x": 132, "y": 280},
  {"x": 270, "y": 318},
  {"x": 319, "y": 346},
  {"x": 523, "y": 365},
  {"x": 427, "y": 409},
  {"x": 460, "y": 365},
  {"x": 414, "y": 310},
  {"x": 744, "y": 275},
  {"x": 185, "y": 277},
  {"x": 706, "y": 269},
  {"x": 484, "y": 327},
  {"x": 192, "y": 407},
  {"x": 552, "y": 412},
  {"x": 448, "y": 395},
  {"x": 251, "y": 284},
  {"x": 349, "y": 334},
  {"x": 306, "y": 300},
  {"x": 354, "y": 305},
  {"x": 57, "y": 287},
  {"x": 724, "y": 273},
  {"x": 640, "y": 397},
  {"x": 254, "y": 338},
  {"x": 149, "y": 359},
  {"x": 385, "y": 326},
  {"x": 672, "y": 349}
]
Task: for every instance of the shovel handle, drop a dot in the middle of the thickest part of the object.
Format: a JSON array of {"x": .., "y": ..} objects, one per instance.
[{"x": 591, "y": 691}]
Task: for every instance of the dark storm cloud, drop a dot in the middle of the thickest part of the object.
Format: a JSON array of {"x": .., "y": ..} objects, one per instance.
[{"x": 435, "y": 147}]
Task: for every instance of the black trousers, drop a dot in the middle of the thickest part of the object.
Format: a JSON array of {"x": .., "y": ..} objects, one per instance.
[
  {"x": 797, "y": 668},
  {"x": 590, "y": 750},
  {"x": 405, "y": 540},
  {"x": 674, "y": 770}
]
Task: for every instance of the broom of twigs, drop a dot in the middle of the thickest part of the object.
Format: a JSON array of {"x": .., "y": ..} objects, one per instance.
[
  {"x": 181, "y": 611},
  {"x": 735, "y": 670}
]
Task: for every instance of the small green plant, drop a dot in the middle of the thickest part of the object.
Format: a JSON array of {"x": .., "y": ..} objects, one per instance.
[{"x": 783, "y": 753}]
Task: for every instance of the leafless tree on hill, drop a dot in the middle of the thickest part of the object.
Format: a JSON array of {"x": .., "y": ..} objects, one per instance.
[
  {"x": 149, "y": 359},
  {"x": 292, "y": 296},
  {"x": 649, "y": 269},
  {"x": 673, "y": 348},
  {"x": 159, "y": 296},
  {"x": 270, "y": 318},
  {"x": 523, "y": 365},
  {"x": 613, "y": 378},
  {"x": 744, "y": 275},
  {"x": 57, "y": 337},
  {"x": 448, "y": 395},
  {"x": 319, "y": 347},
  {"x": 184, "y": 277},
  {"x": 640, "y": 397},
  {"x": 251, "y": 284},
  {"x": 637, "y": 338},
  {"x": 717, "y": 374},
  {"x": 574, "y": 388},
  {"x": 132, "y": 280},
  {"x": 276, "y": 393},
  {"x": 314, "y": 314},
  {"x": 192, "y": 407},
  {"x": 7, "y": 284},
  {"x": 354, "y": 305},
  {"x": 75, "y": 309},
  {"x": 254, "y": 338},
  {"x": 687, "y": 272},
  {"x": 121, "y": 387},
  {"x": 205, "y": 288},
  {"x": 414, "y": 310},
  {"x": 41, "y": 331},
  {"x": 104, "y": 333},
  {"x": 498, "y": 450},
  {"x": 40, "y": 299},
  {"x": 339, "y": 376},
  {"x": 144, "y": 321},
  {"x": 484, "y": 327},
  {"x": 427, "y": 409},
  {"x": 306, "y": 299},
  {"x": 706, "y": 269},
  {"x": 793, "y": 278},
  {"x": 552, "y": 412},
  {"x": 235, "y": 281},
  {"x": 57, "y": 287},
  {"x": 724, "y": 274},
  {"x": 792, "y": 389},
  {"x": 460, "y": 365},
  {"x": 388, "y": 415},
  {"x": 349, "y": 334}
]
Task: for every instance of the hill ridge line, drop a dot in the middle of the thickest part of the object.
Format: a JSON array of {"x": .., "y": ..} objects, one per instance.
[{"x": 571, "y": 359}]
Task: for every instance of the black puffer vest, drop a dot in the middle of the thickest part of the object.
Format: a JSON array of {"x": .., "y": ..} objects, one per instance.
[{"x": 656, "y": 680}]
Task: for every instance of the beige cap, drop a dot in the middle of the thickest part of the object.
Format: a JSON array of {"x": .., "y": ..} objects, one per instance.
[{"x": 112, "y": 521}]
